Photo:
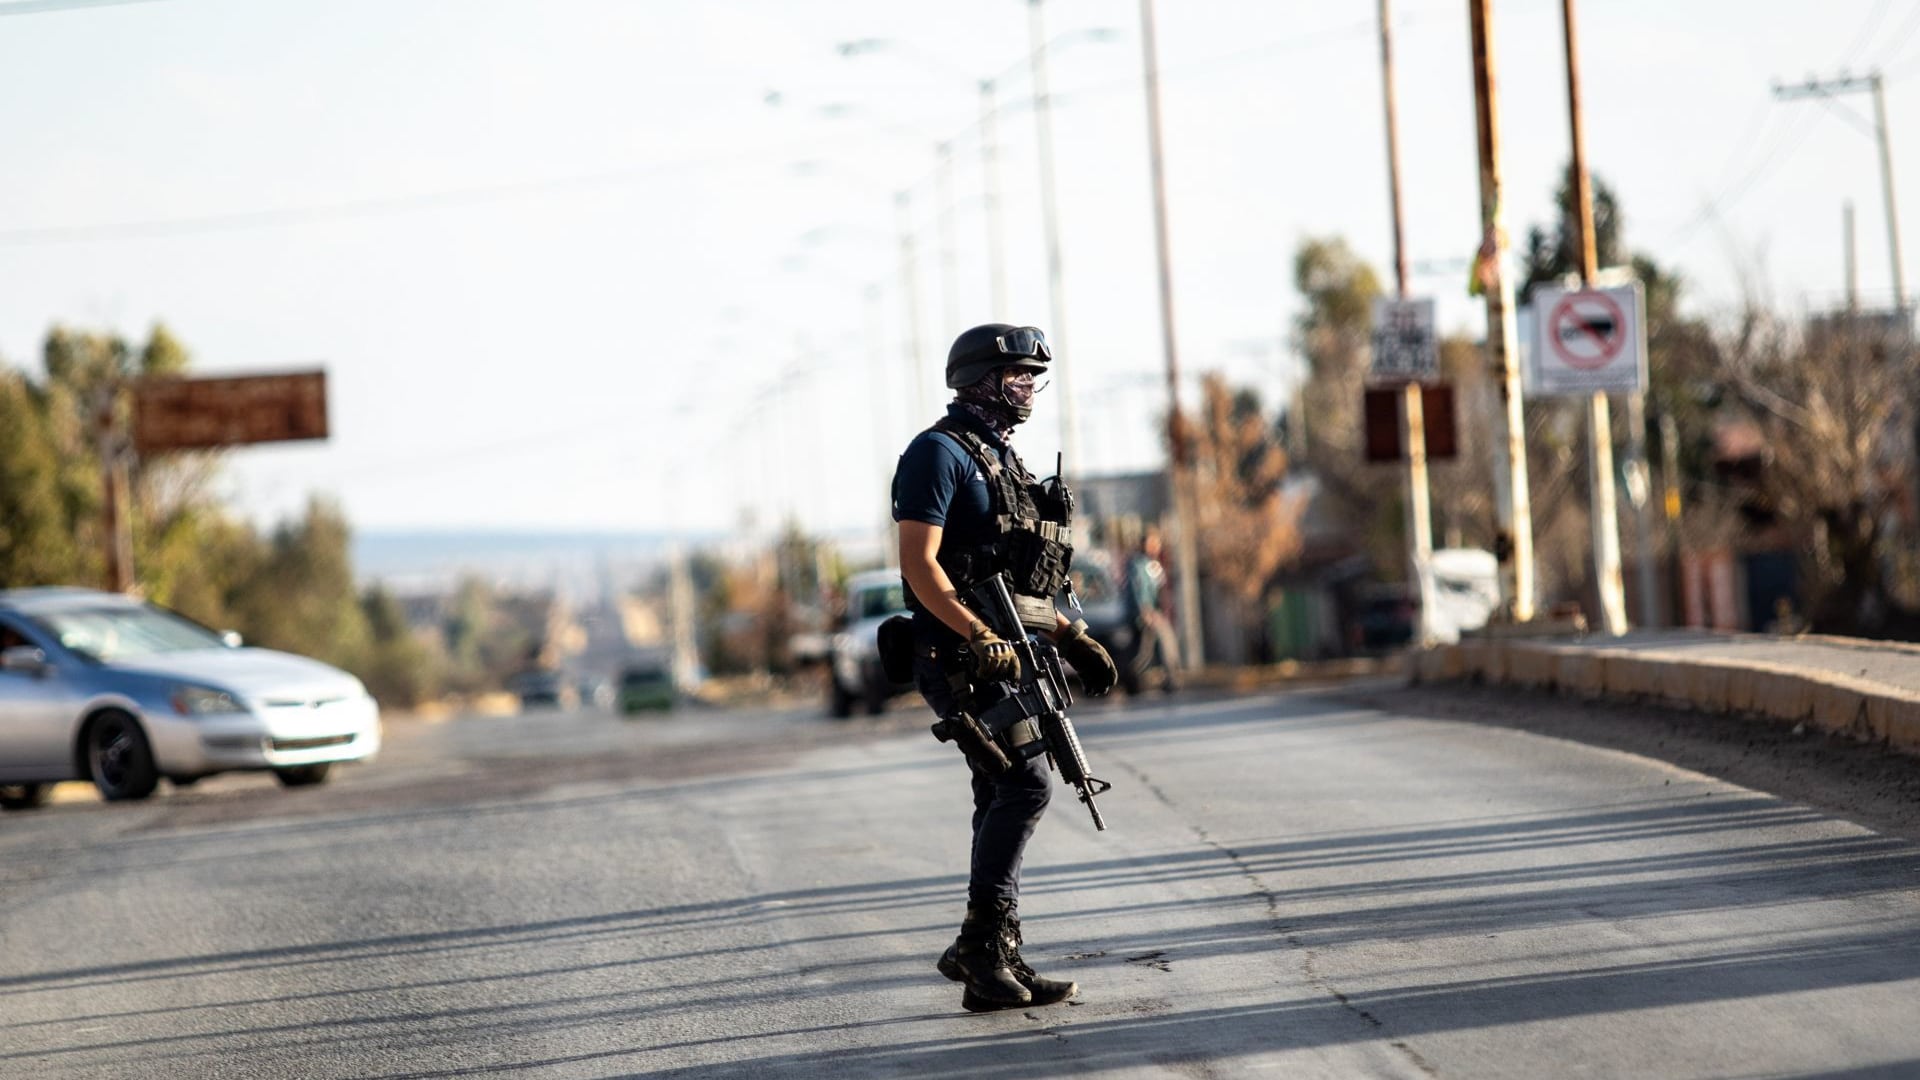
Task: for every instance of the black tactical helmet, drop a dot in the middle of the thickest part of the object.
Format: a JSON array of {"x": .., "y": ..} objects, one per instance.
[{"x": 995, "y": 345}]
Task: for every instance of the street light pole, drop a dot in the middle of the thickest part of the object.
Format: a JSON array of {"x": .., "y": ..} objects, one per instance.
[
  {"x": 1050, "y": 224},
  {"x": 949, "y": 253},
  {"x": 910, "y": 285},
  {"x": 990, "y": 181},
  {"x": 1179, "y": 478}
]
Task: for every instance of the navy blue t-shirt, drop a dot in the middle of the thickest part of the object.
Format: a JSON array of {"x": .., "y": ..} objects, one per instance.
[{"x": 938, "y": 482}]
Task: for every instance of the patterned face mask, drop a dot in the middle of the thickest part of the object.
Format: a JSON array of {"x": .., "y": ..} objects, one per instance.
[{"x": 1003, "y": 399}]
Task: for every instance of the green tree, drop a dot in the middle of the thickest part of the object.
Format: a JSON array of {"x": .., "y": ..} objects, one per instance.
[
  {"x": 1334, "y": 332},
  {"x": 1552, "y": 251},
  {"x": 400, "y": 669},
  {"x": 301, "y": 597},
  {"x": 36, "y": 530}
]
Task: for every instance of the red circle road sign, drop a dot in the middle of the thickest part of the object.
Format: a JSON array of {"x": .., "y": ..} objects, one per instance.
[{"x": 1587, "y": 330}]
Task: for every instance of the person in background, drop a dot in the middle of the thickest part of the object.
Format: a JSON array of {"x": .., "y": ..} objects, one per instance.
[{"x": 1154, "y": 644}]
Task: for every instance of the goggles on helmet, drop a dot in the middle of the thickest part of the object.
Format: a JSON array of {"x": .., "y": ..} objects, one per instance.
[{"x": 1026, "y": 341}]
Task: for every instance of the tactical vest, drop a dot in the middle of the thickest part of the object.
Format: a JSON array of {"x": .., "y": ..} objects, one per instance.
[{"x": 1031, "y": 540}]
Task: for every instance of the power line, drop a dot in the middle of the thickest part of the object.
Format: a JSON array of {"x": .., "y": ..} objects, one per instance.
[
  {"x": 41, "y": 7},
  {"x": 1784, "y": 145},
  {"x": 1903, "y": 35},
  {"x": 1874, "y": 16},
  {"x": 242, "y": 220}
]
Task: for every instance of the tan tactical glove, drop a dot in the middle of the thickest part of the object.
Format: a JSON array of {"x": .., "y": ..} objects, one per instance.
[
  {"x": 993, "y": 657},
  {"x": 1089, "y": 658}
]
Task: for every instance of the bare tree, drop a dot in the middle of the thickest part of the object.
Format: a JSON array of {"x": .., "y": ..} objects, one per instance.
[
  {"x": 1829, "y": 407},
  {"x": 1248, "y": 529}
]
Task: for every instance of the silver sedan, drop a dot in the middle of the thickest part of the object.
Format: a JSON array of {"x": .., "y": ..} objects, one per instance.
[{"x": 101, "y": 687}]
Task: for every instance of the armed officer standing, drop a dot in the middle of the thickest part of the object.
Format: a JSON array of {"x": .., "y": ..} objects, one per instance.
[{"x": 968, "y": 509}]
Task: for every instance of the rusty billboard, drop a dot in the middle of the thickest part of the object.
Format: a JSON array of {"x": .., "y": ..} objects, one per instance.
[{"x": 202, "y": 414}]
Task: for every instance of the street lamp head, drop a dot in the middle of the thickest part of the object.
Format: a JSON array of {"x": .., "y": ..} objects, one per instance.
[{"x": 860, "y": 46}]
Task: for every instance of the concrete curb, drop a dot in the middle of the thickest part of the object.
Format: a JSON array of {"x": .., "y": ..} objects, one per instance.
[
  {"x": 1860, "y": 708},
  {"x": 1294, "y": 672}
]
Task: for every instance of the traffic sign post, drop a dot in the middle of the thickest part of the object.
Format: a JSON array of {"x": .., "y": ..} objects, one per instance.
[
  {"x": 1406, "y": 353},
  {"x": 172, "y": 414}
]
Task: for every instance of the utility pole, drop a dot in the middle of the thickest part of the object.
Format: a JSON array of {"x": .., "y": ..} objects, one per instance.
[
  {"x": 1874, "y": 83},
  {"x": 1853, "y": 262},
  {"x": 1179, "y": 472},
  {"x": 1412, "y": 416},
  {"x": 1604, "y": 511},
  {"x": 910, "y": 284},
  {"x": 882, "y": 431},
  {"x": 1640, "y": 494},
  {"x": 1050, "y": 224},
  {"x": 1670, "y": 502},
  {"x": 686, "y": 649},
  {"x": 1513, "y": 544},
  {"x": 116, "y": 509},
  {"x": 990, "y": 181},
  {"x": 1886, "y": 186}
]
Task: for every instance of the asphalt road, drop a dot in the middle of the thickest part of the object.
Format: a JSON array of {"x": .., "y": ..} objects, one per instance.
[{"x": 1292, "y": 885}]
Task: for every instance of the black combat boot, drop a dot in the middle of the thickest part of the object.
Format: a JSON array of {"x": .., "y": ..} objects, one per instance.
[
  {"x": 980, "y": 956},
  {"x": 1045, "y": 991},
  {"x": 1040, "y": 989}
]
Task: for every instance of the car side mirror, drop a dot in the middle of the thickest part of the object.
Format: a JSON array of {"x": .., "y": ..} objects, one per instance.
[
  {"x": 231, "y": 639},
  {"x": 24, "y": 659}
]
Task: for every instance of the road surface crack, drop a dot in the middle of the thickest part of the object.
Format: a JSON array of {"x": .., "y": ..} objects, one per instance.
[
  {"x": 1280, "y": 926},
  {"x": 1055, "y": 1032},
  {"x": 1152, "y": 959}
]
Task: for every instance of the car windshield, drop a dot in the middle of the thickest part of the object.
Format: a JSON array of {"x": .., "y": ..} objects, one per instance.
[
  {"x": 879, "y": 600},
  {"x": 114, "y": 633},
  {"x": 644, "y": 677}
]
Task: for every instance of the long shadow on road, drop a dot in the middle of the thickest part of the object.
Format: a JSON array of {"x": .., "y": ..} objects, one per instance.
[{"x": 1269, "y": 916}]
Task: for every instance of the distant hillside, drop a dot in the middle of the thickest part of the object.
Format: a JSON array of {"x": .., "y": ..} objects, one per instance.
[{"x": 568, "y": 559}]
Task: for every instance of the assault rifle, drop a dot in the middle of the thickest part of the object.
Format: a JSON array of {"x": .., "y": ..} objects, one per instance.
[{"x": 1029, "y": 716}]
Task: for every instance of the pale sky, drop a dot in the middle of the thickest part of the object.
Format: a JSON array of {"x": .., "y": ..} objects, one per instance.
[{"x": 603, "y": 265}]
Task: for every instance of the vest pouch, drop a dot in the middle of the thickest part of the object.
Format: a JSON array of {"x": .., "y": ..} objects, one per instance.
[
  {"x": 896, "y": 649},
  {"x": 1038, "y": 565},
  {"x": 1037, "y": 613}
]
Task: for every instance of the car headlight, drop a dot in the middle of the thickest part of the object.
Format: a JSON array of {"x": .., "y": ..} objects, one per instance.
[{"x": 200, "y": 701}]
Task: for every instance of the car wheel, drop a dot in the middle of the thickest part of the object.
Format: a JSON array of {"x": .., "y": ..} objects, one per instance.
[
  {"x": 24, "y": 796},
  {"x": 119, "y": 760},
  {"x": 839, "y": 700},
  {"x": 303, "y": 775}
]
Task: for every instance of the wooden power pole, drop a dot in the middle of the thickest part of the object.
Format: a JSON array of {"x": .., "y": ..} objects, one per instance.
[
  {"x": 1604, "y": 510},
  {"x": 1179, "y": 469},
  {"x": 1412, "y": 416},
  {"x": 1514, "y": 542}
]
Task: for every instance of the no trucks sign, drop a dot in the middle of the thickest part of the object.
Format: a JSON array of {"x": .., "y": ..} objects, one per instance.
[{"x": 1588, "y": 341}]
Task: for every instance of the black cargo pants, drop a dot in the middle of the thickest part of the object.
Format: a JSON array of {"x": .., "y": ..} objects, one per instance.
[{"x": 1005, "y": 808}]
